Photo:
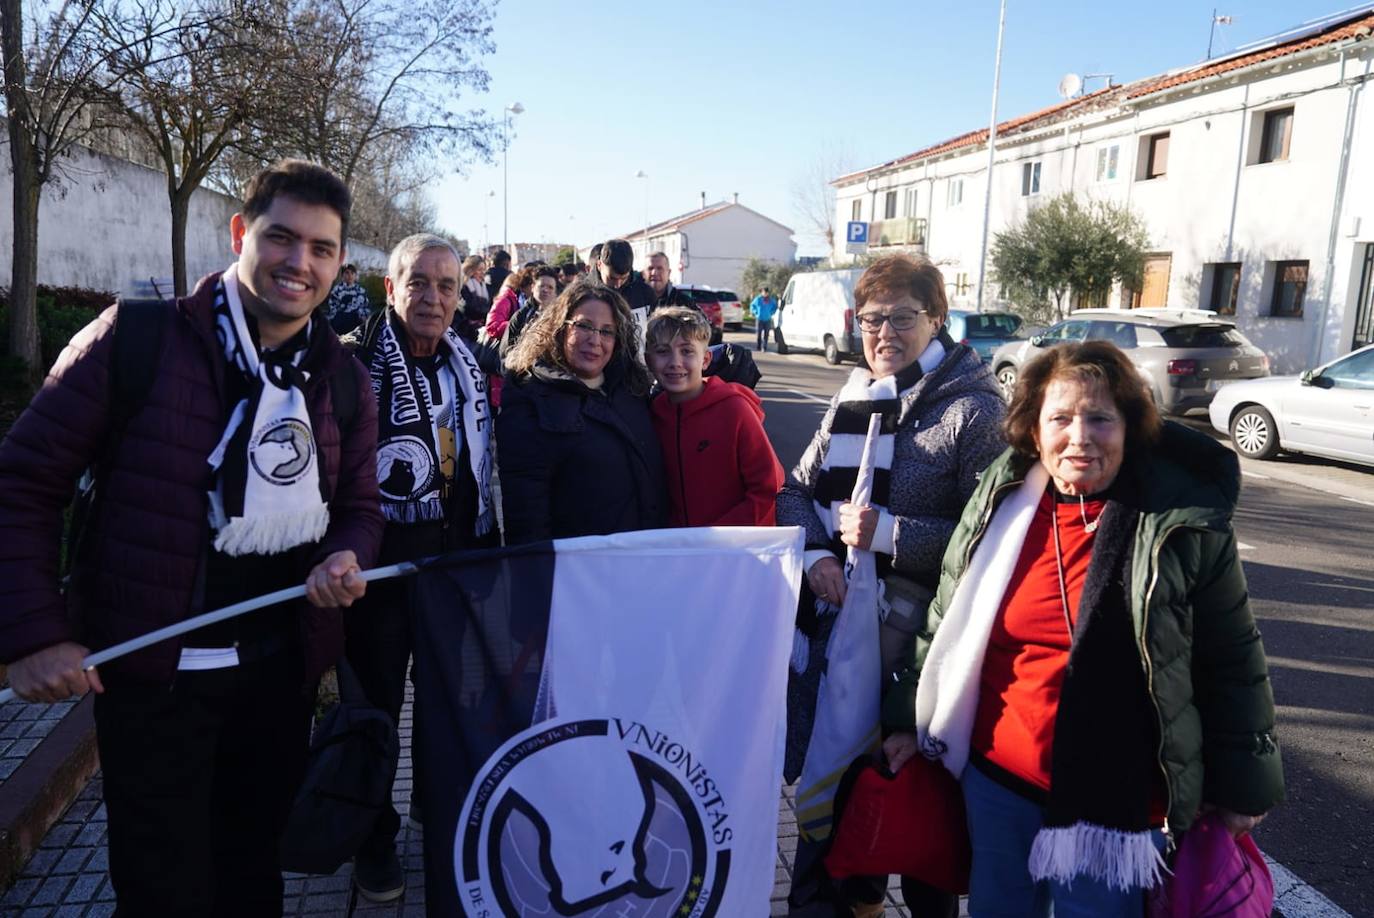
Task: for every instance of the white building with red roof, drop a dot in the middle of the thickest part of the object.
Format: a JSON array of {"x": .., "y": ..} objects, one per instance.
[
  {"x": 712, "y": 244},
  {"x": 1253, "y": 172}
]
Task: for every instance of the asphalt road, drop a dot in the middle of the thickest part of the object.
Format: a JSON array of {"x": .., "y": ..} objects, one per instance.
[{"x": 1307, "y": 544}]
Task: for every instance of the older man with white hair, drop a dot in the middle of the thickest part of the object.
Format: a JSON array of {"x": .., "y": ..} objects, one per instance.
[{"x": 434, "y": 464}]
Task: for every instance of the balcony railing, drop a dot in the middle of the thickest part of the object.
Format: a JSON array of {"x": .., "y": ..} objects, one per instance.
[{"x": 898, "y": 231}]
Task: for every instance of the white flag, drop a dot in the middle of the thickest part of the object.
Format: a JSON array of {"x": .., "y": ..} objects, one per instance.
[{"x": 847, "y": 705}]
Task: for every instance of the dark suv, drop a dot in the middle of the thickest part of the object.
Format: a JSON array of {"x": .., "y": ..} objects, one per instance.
[{"x": 1184, "y": 355}]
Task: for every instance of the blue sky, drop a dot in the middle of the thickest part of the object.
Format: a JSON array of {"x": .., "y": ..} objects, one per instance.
[{"x": 728, "y": 97}]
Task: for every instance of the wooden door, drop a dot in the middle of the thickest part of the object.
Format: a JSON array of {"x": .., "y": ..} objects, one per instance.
[{"x": 1154, "y": 289}]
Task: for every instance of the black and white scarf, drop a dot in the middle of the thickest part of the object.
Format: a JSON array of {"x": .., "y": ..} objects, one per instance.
[
  {"x": 408, "y": 452},
  {"x": 268, "y": 495},
  {"x": 1103, "y": 765},
  {"x": 861, "y": 397}
]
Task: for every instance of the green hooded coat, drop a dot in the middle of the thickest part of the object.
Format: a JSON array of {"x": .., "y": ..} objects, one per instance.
[{"x": 1203, "y": 659}]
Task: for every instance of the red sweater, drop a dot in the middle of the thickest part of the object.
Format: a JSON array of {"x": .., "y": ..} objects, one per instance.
[
  {"x": 720, "y": 468},
  {"x": 1023, "y": 670}
]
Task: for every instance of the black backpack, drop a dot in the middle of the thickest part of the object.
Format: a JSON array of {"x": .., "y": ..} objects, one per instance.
[
  {"x": 348, "y": 777},
  {"x": 733, "y": 363},
  {"x": 140, "y": 327}
]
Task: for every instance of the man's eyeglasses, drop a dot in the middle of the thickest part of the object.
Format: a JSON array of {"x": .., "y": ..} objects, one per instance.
[
  {"x": 587, "y": 328},
  {"x": 901, "y": 320}
]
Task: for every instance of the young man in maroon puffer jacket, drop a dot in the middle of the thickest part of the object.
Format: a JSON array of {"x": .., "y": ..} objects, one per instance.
[{"x": 202, "y": 739}]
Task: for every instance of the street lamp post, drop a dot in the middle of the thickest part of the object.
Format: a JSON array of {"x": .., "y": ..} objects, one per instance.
[
  {"x": 641, "y": 174},
  {"x": 992, "y": 152},
  {"x": 486, "y": 222},
  {"x": 514, "y": 109}
]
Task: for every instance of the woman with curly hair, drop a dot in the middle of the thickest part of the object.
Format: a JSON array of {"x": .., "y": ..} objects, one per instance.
[{"x": 578, "y": 454}]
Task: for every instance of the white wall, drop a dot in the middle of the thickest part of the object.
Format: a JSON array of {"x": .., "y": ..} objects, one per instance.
[
  {"x": 109, "y": 225},
  {"x": 1212, "y": 206},
  {"x": 720, "y": 245}
]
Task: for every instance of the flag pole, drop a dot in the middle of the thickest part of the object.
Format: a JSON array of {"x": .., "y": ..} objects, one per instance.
[{"x": 218, "y": 615}]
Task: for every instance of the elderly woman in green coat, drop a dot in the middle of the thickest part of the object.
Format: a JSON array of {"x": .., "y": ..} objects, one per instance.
[{"x": 1090, "y": 669}]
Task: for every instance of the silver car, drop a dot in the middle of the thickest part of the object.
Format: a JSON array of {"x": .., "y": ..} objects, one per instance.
[
  {"x": 1184, "y": 355},
  {"x": 1328, "y": 411}
]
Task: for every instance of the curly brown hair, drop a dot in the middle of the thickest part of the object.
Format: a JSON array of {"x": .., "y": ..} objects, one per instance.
[
  {"x": 1087, "y": 362},
  {"x": 543, "y": 340},
  {"x": 899, "y": 275}
]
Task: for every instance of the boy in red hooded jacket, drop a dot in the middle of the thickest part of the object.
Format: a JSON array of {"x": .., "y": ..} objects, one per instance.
[{"x": 720, "y": 468}]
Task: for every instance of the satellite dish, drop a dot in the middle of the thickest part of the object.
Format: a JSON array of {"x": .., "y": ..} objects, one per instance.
[{"x": 1070, "y": 85}]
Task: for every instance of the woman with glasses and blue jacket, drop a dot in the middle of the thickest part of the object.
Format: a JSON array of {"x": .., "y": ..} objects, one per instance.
[
  {"x": 576, "y": 448},
  {"x": 942, "y": 413}
]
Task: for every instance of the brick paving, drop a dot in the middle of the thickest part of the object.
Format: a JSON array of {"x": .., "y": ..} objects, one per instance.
[
  {"x": 68, "y": 875},
  {"x": 22, "y": 728}
]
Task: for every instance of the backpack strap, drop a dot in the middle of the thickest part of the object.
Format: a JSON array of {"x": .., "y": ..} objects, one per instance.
[
  {"x": 140, "y": 325},
  {"x": 343, "y": 392}
]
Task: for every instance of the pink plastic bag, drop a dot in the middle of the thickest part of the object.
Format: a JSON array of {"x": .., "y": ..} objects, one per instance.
[{"x": 1215, "y": 876}]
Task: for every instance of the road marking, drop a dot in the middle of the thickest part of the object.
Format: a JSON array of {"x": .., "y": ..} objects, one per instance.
[
  {"x": 1243, "y": 546},
  {"x": 799, "y": 393},
  {"x": 1356, "y": 500},
  {"x": 1248, "y": 474},
  {"x": 1295, "y": 899}
]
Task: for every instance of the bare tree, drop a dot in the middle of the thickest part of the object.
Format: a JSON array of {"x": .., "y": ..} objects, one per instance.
[
  {"x": 197, "y": 77},
  {"x": 58, "y": 86},
  {"x": 813, "y": 197},
  {"x": 386, "y": 73}
]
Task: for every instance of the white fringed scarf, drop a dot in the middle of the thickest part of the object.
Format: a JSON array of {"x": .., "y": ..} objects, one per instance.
[{"x": 267, "y": 495}]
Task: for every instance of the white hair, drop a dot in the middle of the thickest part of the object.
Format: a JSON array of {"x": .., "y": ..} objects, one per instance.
[{"x": 409, "y": 249}]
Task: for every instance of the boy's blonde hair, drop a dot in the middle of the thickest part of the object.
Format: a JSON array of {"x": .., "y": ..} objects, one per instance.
[{"x": 666, "y": 324}]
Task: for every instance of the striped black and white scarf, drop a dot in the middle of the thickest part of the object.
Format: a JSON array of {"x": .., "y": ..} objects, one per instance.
[
  {"x": 408, "y": 466},
  {"x": 861, "y": 397},
  {"x": 268, "y": 494}
]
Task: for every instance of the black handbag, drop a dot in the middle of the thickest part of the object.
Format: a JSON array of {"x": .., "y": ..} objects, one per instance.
[{"x": 348, "y": 777}]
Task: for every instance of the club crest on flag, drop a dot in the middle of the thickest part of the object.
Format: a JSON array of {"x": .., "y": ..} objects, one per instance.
[{"x": 646, "y": 834}]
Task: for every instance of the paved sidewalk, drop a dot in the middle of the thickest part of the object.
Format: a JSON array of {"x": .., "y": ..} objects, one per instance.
[{"x": 68, "y": 876}]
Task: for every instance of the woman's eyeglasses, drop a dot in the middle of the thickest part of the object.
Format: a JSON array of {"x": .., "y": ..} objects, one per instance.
[
  {"x": 901, "y": 320},
  {"x": 587, "y": 328}
]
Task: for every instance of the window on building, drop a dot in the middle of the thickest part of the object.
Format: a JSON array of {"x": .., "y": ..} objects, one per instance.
[
  {"x": 1155, "y": 156},
  {"x": 1107, "y": 160},
  {"x": 1225, "y": 287},
  {"x": 856, "y": 210},
  {"x": 1290, "y": 287},
  {"x": 1030, "y": 179},
  {"x": 1278, "y": 134},
  {"x": 909, "y": 208},
  {"x": 889, "y": 205},
  {"x": 955, "y": 193}
]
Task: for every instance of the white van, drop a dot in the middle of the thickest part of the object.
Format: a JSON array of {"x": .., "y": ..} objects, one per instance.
[{"x": 818, "y": 312}]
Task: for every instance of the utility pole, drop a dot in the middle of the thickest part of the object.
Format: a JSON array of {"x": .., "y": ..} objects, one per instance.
[{"x": 992, "y": 150}]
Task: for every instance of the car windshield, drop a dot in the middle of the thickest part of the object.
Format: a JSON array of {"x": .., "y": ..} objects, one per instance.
[
  {"x": 725, "y": 296},
  {"x": 703, "y": 296},
  {"x": 991, "y": 325},
  {"x": 1202, "y": 336}
]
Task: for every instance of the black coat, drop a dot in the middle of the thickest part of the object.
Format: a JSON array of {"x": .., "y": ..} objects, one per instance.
[{"x": 576, "y": 461}]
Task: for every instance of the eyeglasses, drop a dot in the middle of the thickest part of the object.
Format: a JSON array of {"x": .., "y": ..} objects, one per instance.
[
  {"x": 587, "y": 328},
  {"x": 902, "y": 320}
]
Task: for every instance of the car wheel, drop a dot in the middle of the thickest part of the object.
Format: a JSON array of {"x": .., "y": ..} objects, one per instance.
[
  {"x": 832, "y": 351},
  {"x": 1253, "y": 433},
  {"x": 1006, "y": 378},
  {"x": 716, "y": 336}
]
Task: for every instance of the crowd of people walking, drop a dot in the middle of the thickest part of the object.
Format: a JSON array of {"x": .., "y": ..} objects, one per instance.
[{"x": 1064, "y": 625}]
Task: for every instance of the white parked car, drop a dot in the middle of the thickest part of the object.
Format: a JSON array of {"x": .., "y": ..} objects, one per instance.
[{"x": 1327, "y": 412}]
